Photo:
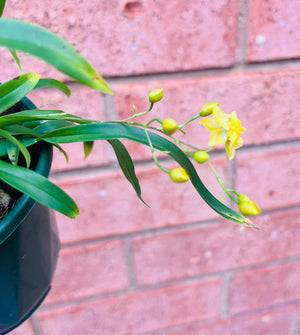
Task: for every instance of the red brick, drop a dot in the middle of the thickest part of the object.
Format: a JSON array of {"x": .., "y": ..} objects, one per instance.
[
  {"x": 274, "y": 31},
  {"x": 265, "y": 102},
  {"x": 24, "y": 329},
  {"x": 214, "y": 248},
  {"x": 109, "y": 205},
  {"x": 281, "y": 321},
  {"x": 162, "y": 37},
  {"x": 137, "y": 312},
  {"x": 264, "y": 287},
  {"x": 86, "y": 104},
  {"x": 270, "y": 177},
  {"x": 89, "y": 270}
]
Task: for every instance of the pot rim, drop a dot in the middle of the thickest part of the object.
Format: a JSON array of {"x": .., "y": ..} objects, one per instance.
[{"x": 24, "y": 205}]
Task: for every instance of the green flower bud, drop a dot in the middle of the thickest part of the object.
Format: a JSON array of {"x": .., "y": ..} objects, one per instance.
[
  {"x": 179, "y": 175},
  {"x": 248, "y": 207},
  {"x": 169, "y": 126},
  {"x": 208, "y": 108},
  {"x": 201, "y": 156},
  {"x": 156, "y": 95}
]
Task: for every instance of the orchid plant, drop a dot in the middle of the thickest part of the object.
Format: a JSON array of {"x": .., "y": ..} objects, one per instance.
[{"x": 23, "y": 129}]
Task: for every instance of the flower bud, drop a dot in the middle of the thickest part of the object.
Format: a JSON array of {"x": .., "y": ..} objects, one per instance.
[
  {"x": 208, "y": 108},
  {"x": 179, "y": 175},
  {"x": 156, "y": 95},
  {"x": 169, "y": 126},
  {"x": 248, "y": 207},
  {"x": 201, "y": 156}
]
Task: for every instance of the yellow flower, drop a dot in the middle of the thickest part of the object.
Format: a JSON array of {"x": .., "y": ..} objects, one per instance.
[
  {"x": 225, "y": 129},
  {"x": 234, "y": 140},
  {"x": 248, "y": 207}
]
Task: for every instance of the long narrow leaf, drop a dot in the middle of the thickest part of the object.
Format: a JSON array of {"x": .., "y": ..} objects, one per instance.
[
  {"x": 26, "y": 141},
  {"x": 127, "y": 166},
  {"x": 48, "y": 82},
  {"x": 18, "y": 144},
  {"x": 36, "y": 114},
  {"x": 14, "y": 90},
  {"x": 49, "y": 47},
  {"x": 12, "y": 152},
  {"x": 87, "y": 148},
  {"x": 38, "y": 188},
  {"x": 2, "y": 5},
  {"x": 16, "y": 58},
  {"x": 111, "y": 131}
]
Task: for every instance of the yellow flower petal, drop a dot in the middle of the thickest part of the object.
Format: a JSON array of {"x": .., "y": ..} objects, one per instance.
[
  {"x": 217, "y": 137},
  {"x": 221, "y": 118},
  {"x": 209, "y": 124}
]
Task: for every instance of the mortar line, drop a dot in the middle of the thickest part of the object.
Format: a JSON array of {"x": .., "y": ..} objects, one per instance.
[
  {"x": 177, "y": 283},
  {"x": 225, "y": 295},
  {"x": 147, "y": 163},
  {"x": 166, "y": 230},
  {"x": 37, "y": 328},
  {"x": 242, "y": 34},
  {"x": 297, "y": 323},
  {"x": 130, "y": 264}
]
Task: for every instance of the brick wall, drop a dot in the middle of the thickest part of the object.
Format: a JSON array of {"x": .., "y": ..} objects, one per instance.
[{"x": 177, "y": 268}]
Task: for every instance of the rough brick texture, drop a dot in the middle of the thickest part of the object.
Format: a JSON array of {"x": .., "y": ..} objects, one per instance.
[
  {"x": 273, "y": 30},
  {"x": 176, "y": 268},
  {"x": 83, "y": 263},
  {"x": 139, "y": 36},
  {"x": 100, "y": 216},
  {"x": 264, "y": 287},
  {"x": 280, "y": 322},
  {"x": 138, "y": 312},
  {"x": 217, "y": 247}
]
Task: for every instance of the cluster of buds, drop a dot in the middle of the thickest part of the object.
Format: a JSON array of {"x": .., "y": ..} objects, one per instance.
[{"x": 225, "y": 130}]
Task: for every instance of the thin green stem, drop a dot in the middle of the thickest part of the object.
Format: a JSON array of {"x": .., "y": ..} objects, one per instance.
[
  {"x": 154, "y": 153},
  {"x": 138, "y": 114},
  {"x": 190, "y": 120},
  {"x": 224, "y": 188}
]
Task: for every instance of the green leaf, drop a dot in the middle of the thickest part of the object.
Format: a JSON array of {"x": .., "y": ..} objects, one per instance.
[
  {"x": 111, "y": 131},
  {"x": 2, "y": 5},
  {"x": 55, "y": 84},
  {"x": 26, "y": 141},
  {"x": 38, "y": 188},
  {"x": 14, "y": 90},
  {"x": 18, "y": 144},
  {"x": 13, "y": 152},
  {"x": 16, "y": 58},
  {"x": 50, "y": 125},
  {"x": 87, "y": 147},
  {"x": 127, "y": 166},
  {"x": 49, "y": 47},
  {"x": 37, "y": 114}
]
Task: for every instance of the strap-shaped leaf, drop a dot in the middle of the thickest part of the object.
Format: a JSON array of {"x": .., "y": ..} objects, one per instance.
[
  {"x": 12, "y": 152},
  {"x": 14, "y": 90},
  {"x": 38, "y": 188},
  {"x": 88, "y": 148},
  {"x": 49, "y": 47},
  {"x": 36, "y": 114},
  {"x": 127, "y": 166},
  {"x": 111, "y": 131},
  {"x": 48, "y": 82},
  {"x": 16, "y": 58},
  {"x": 2, "y": 5},
  {"x": 18, "y": 144}
]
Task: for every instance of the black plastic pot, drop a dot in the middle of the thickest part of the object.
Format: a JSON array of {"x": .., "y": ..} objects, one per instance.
[{"x": 29, "y": 247}]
